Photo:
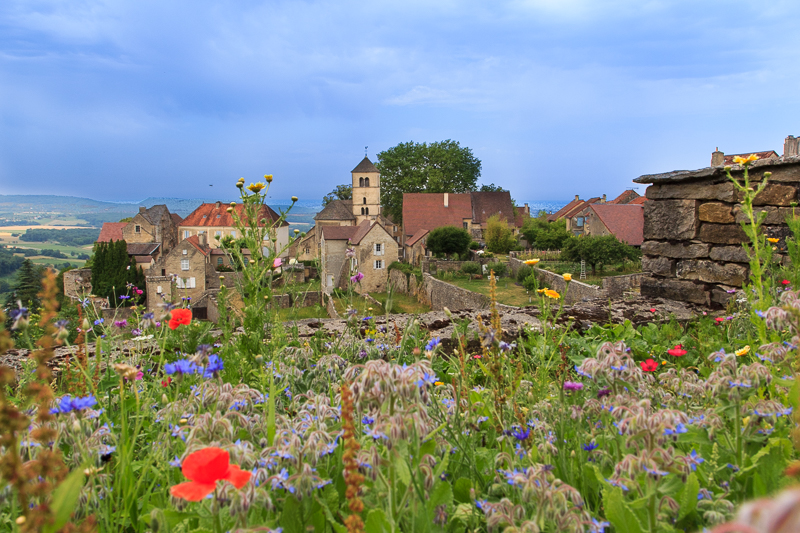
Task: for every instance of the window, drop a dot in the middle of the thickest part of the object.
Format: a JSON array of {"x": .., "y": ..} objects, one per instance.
[
  {"x": 219, "y": 260},
  {"x": 233, "y": 234},
  {"x": 184, "y": 264},
  {"x": 185, "y": 252},
  {"x": 366, "y": 182},
  {"x": 466, "y": 225},
  {"x": 185, "y": 283},
  {"x": 579, "y": 222},
  {"x": 362, "y": 210},
  {"x": 378, "y": 249},
  {"x": 158, "y": 289},
  {"x": 365, "y": 200},
  {"x": 137, "y": 229},
  {"x": 360, "y": 182},
  {"x": 218, "y": 233},
  {"x": 378, "y": 264},
  {"x": 366, "y": 210},
  {"x": 186, "y": 234}
]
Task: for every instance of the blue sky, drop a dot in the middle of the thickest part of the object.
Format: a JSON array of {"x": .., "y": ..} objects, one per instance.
[{"x": 124, "y": 99}]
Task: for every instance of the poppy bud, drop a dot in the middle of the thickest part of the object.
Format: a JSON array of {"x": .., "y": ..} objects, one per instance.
[
  {"x": 767, "y": 174},
  {"x": 296, "y": 231},
  {"x": 294, "y": 198},
  {"x": 85, "y": 325},
  {"x": 164, "y": 399},
  {"x": 20, "y": 520},
  {"x": 259, "y": 359},
  {"x": 76, "y": 426},
  {"x": 233, "y": 204},
  {"x": 239, "y": 184}
]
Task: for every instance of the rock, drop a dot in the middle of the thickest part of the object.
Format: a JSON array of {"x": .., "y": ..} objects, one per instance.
[
  {"x": 722, "y": 233},
  {"x": 670, "y": 219},
  {"x": 729, "y": 254},
  {"x": 681, "y": 250},
  {"x": 720, "y": 295},
  {"x": 705, "y": 190},
  {"x": 776, "y": 194},
  {"x": 659, "y": 266},
  {"x": 775, "y": 215},
  {"x": 711, "y": 272},
  {"x": 715, "y": 212},
  {"x": 685, "y": 291}
]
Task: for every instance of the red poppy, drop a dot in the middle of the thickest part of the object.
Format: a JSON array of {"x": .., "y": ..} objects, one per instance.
[
  {"x": 203, "y": 469},
  {"x": 180, "y": 316},
  {"x": 166, "y": 382},
  {"x": 785, "y": 282},
  {"x": 652, "y": 309},
  {"x": 677, "y": 351},
  {"x": 719, "y": 319},
  {"x": 649, "y": 366}
]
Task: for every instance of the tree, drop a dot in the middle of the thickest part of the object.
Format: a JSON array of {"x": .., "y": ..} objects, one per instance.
[
  {"x": 449, "y": 240},
  {"x": 112, "y": 270},
  {"x": 413, "y": 167},
  {"x": 498, "y": 236},
  {"x": 544, "y": 235},
  {"x": 341, "y": 192},
  {"x": 492, "y": 188},
  {"x": 28, "y": 285},
  {"x": 596, "y": 251}
]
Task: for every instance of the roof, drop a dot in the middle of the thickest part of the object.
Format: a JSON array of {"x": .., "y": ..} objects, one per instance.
[
  {"x": 625, "y": 221},
  {"x": 486, "y": 204},
  {"x": 143, "y": 258},
  {"x": 111, "y": 231},
  {"x": 365, "y": 166},
  {"x": 216, "y": 215},
  {"x": 176, "y": 218},
  {"x": 142, "y": 248},
  {"x": 625, "y": 198},
  {"x": 416, "y": 237},
  {"x": 337, "y": 210},
  {"x": 195, "y": 241},
  {"x": 639, "y": 200},
  {"x": 361, "y": 230},
  {"x": 561, "y": 212},
  {"x": 155, "y": 213},
  {"x": 768, "y": 154},
  {"x": 677, "y": 176},
  {"x": 580, "y": 207},
  {"x": 337, "y": 233},
  {"x": 425, "y": 210}
]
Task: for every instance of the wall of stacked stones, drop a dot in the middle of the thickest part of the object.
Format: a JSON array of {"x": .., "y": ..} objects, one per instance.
[
  {"x": 78, "y": 282},
  {"x": 693, "y": 238}
]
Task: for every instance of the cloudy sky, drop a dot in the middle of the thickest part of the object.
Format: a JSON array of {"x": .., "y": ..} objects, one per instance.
[{"x": 123, "y": 99}]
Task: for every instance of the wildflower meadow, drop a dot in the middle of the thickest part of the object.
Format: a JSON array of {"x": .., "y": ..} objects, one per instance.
[{"x": 177, "y": 425}]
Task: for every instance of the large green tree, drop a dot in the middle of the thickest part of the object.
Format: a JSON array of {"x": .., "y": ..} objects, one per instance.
[
  {"x": 341, "y": 192},
  {"x": 499, "y": 236},
  {"x": 112, "y": 270},
  {"x": 448, "y": 240},
  {"x": 603, "y": 250},
  {"x": 544, "y": 235},
  {"x": 28, "y": 285},
  {"x": 420, "y": 167}
]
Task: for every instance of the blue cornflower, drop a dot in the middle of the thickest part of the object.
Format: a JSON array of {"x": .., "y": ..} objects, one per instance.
[
  {"x": 520, "y": 433},
  {"x": 589, "y": 447},
  {"x": 367, "y": 420},
  {"x": 180, "y": 367},
  {"x": 67, "y": 404},
  {"x": 434, "y": 342},
  {"x": 214, "y": 366},
  {"x": 99, "y": 321},
  {"x": 124, "y": 297}
]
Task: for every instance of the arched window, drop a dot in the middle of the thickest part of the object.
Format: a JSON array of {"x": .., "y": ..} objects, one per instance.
[
  {"x": 365, "y": 200},
  {"x": 362, "y": 210},
  {"x": 360, "y": 182},
  {"x": 366, "y": 182},
  {"x": 366, "y": 210}
]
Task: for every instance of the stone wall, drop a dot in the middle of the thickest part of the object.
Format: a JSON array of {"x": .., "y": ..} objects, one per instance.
[
  {"x": 441, "y": 294},
  {"x": 577, "y": 291},
  {"x": 408, "y": 284},
  {"x": 78, "y": 282},
  {"x": 693, "y": 240}
]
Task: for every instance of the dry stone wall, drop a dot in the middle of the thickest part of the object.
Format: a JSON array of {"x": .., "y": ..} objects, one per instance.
[{"x": 692, "y": 248}]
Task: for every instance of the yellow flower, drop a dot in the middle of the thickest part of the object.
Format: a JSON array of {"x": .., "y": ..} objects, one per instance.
[
  {"x": 438, "y": 383},
  {"x": 773, "y": 240},
  {"x": 744, "y": 160},
  {"x": 268, "y": 178},
  {"x": 745, "y": 420},
  {"x": 567, "y": 277},
  {"x": 743, "y": 351},
  {"x": 550, "y": 293},
  {"x": 540, "y": 291},
  {"x": 532, "y": 261},
  {"x": 256, "y": 187}
]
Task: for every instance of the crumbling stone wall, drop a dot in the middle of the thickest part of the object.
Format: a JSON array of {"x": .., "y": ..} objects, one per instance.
[
  {"x": 78, "y": 282},
  {"x": 693, "y": 237}
]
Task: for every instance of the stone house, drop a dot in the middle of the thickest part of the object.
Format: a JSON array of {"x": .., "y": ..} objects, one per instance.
[
  {"x": 692, "y": 235},
  {"x": 183, "y": 273},
  {"x": 624, "y": 221},
  {"x": 373, "y": 249},
  {"x": 213, "y": 220},
  {"x": 414, "y": 248},
  {"x": 153, "y": 225}
]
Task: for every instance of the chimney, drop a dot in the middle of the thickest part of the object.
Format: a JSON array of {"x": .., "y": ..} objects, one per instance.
[
  {"x": 717, "y": 158},
  {"x": 142, "y": 209},
  {"x": 791, "y": 146},
  {"x": 446, "y": 200},
  {"x": 218, "y": 204},
  {"x": 603, "y": 200},
  {"x": 577, "y": 198},
  {"x": 201, "y": 237}
]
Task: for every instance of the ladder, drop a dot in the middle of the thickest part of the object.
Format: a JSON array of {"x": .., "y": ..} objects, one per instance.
[{"x": 583, "y": 269}]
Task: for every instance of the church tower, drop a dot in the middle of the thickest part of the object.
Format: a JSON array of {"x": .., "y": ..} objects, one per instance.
[{"x": 366, "y": 191}]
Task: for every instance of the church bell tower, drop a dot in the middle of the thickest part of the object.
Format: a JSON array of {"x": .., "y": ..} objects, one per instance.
[{"x": 366, "y": 191}]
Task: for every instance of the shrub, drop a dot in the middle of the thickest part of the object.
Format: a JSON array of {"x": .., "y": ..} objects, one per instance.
[
  {"x": 531, "y": 283},
  {"x": 449, "y": 240},
  {"x": 474, "y": 245},
  {"x": 498, "y": 267},
  {"x": 499, "y": 237},
  {"x": 471, "y": 267},
  {"x": 523, "y": 272}
]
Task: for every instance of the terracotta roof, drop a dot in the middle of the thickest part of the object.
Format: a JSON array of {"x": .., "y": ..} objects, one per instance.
[
  {"x": 580, "y": 207},
  {"x": 638, "y": 201},
  {"x": 486, "y": 204},
  {"x": 769, "y": 154},
  {"x": 416, "y": 237},
  {"x": 337, "y": 233},
  {"x": 142, "y": 248},
  {"x": 212, "y": 216},
  {"x": 425, "y": 210},
  {"x": 337, "y": 210},
  {"x": 195, "y": 241},
  {"x": 361, "y": 230},
  {"x": 625, "y": 198},
  {"x": 625, "y": 221},
  {"x": 176, "y": 218},
  {"x": 561, "y": 212},
  {"x": 365, "y": 166},
  {"x": 111, "y": 231}
]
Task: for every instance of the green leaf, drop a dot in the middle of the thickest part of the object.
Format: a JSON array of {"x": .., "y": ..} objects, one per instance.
[
  {"x": 337, "y": 527},
  {"x": 292, "y": 516},
  {"x": 441, "y": 494},
  {"x": 65, "y": 500},
  {"x": 461, "y": 490},
  {"x": 376, "y": 522},
  {"x": 271, "y": 410},
  {"x": 688, "y": 496},
  {"x": 617, "y": 512},
  {"x": 401, "y": 467},
  {"x": 427, "y": 448}
]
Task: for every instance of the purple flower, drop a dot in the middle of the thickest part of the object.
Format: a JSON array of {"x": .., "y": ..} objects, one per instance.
[
  {"x": 571, "y": 385},
  {"x": 121, "y": 323},
  {"x": 357, "y": 278},
  {"x": 180, "y": 367},
  {"x": 521, "y": 433},
  {"x": 432, "y": 344},
  {"x": 603, "y": 392},
  {"x": 589, "y": 447},
  {"x": 67, "y": 404}
]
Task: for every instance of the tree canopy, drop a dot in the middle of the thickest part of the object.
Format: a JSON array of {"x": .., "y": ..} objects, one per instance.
[
  {"x": 544, "y": 235},
  {"x": 341, "y": 192},
  {"x": 596, "y": 250},
  {"x": 443, "y": 166},
  {"x": 448, "y": 240},
  {"x": 499, "y": 236},
  {"x": 112, "y": 270}
]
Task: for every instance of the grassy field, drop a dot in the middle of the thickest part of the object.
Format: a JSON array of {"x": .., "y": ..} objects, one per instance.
[
  {"x": 508, "y": 292},
  {"x": 402, "y": 303},
  {"x": 6, "y": 239}
]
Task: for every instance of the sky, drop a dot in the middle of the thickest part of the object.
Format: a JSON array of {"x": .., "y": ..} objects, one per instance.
[{"x": 124, "y": 99}]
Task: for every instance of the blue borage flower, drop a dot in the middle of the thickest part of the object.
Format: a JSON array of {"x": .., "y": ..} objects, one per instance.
[
  {"x": 785, "y": 412},
  {"x": 581, "y": 372},
  {"x": 597, "y": 526},
  {"x": 67, "y": 404},
  {"x": 367, "y": 420},
  {"x": 375, "y": 434},
  {"x": 655, "y": 472},
  {"x": 427, "y": 379},
  {"x": 617, "y": 483},
  {"x": 693, "y": 460},
  {"x": 506, "y": 347},
  {"x": 434, "y": 342},
  {"x": 738, "y": 383},
  {"x": 680, "y": 428}
]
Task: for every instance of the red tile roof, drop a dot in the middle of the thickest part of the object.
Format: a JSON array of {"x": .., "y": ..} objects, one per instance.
[
  {"x": 417, "y": 236},
  {"x": 561, "y": 212},
  {"x": 486, "y": 204},
  {"x": 337, "y": 233},
  {"x": 768, "y": 154},
  {"x": 625, "y": 198},
  {"x": 625, "y": 221},
  {"x": 427, "y": 211},
  {"x": 194, "y": 240},
  {"x": 111, "y": 231},
  {"x": 216, "y": 215},
  {"x": 638, "y": 201},
  {"x": 580, "y": 207}
]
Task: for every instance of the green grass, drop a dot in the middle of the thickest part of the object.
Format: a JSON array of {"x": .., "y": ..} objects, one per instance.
[
  {"x": 402, "y": 303},
  {"x": 301, "y": 313},
  {"x": 575, "y": 269},
  {"x": 508, "y": 292}
]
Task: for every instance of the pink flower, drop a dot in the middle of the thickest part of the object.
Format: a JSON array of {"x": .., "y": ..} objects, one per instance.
[
  {"x": 571, "y": 385},
  {"x": 652, "y": 309},
  {"x": 276, "y": 263},
  {"x": 139, "y": 375}
]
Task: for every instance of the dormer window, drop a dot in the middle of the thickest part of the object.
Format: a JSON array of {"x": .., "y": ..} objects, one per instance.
[{"x": 205, "y": 216}]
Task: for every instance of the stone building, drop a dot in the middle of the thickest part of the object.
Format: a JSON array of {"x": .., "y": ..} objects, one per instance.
[
  {"x": 154, "y": 225},
  {"x": 414, "y": 248},
  {"x": 182, "y": 273},
  {"x": 624, "y": 221},
  {"x": 692, "y": 235}
]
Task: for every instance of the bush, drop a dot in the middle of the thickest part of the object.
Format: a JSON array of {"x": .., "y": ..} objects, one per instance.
[
  {"x": 474, "y": 245},
  {"x": 498, "y": 267},
  {"x": 530, "y": 283},
  {"x": 449, "y": 240},
  {"x": 471, "y": 267},
  {"x": 499, "y": 237},
  {"x": 523, "y": 272}
]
